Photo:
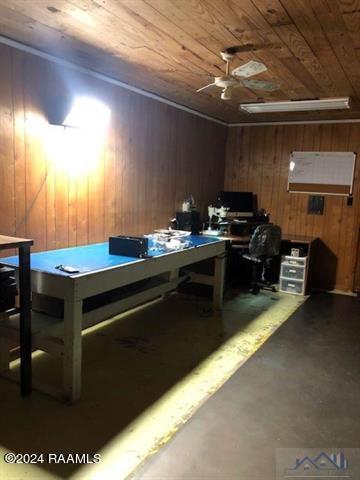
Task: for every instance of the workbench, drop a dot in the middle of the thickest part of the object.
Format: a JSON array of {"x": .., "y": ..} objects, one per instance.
[{"x": 100, "y": 272}]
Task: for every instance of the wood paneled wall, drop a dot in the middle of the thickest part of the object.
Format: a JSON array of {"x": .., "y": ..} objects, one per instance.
[
  {"x": 149, "y": 160},
  {"x": 257, "y": 160},
  {"x": 151, "y": 157}
]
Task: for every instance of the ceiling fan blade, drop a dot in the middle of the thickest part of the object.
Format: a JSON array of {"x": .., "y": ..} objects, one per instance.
[
  {"x": 260, "y": 85},
  {"x": 203, "y": 88},
  {"x": 249, "y": 69}
]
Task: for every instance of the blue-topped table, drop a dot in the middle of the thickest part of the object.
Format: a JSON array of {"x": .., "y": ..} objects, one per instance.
[
  {"x": 100, "y": 272},
  {"x": 89, "y": 258}
]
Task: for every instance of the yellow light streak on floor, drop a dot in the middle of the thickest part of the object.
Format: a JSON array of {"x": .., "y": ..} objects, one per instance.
[{"x": 144, "y": 376}]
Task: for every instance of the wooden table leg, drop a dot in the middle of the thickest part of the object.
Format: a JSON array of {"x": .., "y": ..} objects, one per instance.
[
  {"x": 72, "y": 349},
  {"x": 219, "y": 277},
  {"x": 25, "y": 320},
  {"x": 173, "y": 274}
]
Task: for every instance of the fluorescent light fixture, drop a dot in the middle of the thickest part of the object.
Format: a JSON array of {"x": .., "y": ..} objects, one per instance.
[
  {"x": 297, "y": 105},
  {"x": 88, "y": 113}
]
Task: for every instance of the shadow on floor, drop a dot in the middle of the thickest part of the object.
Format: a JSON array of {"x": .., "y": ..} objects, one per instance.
[
  {"x": 127, "y": 366},
  {"x": 300, "y": 390}
]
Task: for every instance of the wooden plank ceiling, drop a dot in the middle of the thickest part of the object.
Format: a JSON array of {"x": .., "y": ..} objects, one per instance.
[{"x": 171, "y": 47}]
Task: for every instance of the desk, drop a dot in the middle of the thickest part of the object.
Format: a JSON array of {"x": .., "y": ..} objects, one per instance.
[
  {"x": 23, "y": 260},
  {"x": 298, "y": 239},
  {"x": 306, "y": 243},
  {"x": 100, "y": 272},
  {"x": 284, "y": 237},
  {"x": 233, "y": 239}
]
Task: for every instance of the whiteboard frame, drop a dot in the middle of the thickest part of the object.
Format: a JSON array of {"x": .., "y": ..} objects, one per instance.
[{"x": 324, "y": 193}]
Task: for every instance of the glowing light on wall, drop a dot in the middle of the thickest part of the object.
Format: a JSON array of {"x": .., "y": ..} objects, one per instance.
[
  {"x": 34, "y": 123},
  {"x": 78, "y": 151},
  {"x": 89, "y": 113}
]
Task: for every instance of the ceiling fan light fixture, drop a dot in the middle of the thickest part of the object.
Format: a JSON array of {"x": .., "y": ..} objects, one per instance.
[
  {"x": 226, "y": 94},
  {"x": 297, "y": 105}
]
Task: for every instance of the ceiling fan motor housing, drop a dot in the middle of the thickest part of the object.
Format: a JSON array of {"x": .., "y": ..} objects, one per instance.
[
  {"x": 226, "y": 81},
  {"x": 227, "y": 56}
]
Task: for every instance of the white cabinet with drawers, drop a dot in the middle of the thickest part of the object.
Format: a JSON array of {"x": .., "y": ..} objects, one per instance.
[{"x": 293, "y": 275}]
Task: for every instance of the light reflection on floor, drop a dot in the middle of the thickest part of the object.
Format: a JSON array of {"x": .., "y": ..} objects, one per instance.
[{"x": 144, "y": 376}]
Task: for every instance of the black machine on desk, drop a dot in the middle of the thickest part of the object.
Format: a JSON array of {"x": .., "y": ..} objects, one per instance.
[
  {"x": 247, "y": 227},
  {"x": 189, "y": 218},
  {"x": 240, "y": 204},
  {"x": 189, "y": 221},
  {"x": 129, "y": 246},
  {"x": 242, "y": 216}
]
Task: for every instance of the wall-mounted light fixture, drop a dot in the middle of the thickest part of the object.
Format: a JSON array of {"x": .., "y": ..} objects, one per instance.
[
  {"x": 82, "y": 112},
  {"x": 76, "y": 150},
  {"x": 88, "y": 113},
  {"x": 57, "y": 108}
]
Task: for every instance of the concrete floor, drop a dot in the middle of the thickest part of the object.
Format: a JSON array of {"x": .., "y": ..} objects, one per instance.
[
  {"x": 144, "y": 375},
  {"x": 300, "y": 389}
]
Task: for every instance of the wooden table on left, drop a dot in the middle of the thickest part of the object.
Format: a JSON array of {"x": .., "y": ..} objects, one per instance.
[{"x": 23, "y": 246}]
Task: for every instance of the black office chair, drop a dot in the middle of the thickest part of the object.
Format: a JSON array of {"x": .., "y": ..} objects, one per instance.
[{"x": 263, "y": 247}]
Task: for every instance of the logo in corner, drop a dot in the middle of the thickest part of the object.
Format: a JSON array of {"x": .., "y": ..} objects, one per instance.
[{"x": 322, "y": 465}]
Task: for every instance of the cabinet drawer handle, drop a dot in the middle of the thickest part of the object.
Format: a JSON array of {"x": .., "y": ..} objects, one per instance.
[
  {"x": 291, "y": 285},
  {"x": 292, "y": 271}
]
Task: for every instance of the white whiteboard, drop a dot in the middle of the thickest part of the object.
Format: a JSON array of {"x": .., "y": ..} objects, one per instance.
[{"x": 322, "y": 172}]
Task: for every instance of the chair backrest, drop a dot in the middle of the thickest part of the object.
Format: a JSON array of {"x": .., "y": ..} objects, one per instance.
[{"x": 265, "y": 241}]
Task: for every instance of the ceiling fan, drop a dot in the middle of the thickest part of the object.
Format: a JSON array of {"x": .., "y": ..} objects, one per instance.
[{"x": 239, "y": 77}]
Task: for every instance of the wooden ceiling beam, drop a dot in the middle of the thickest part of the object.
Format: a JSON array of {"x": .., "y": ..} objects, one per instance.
[
  {"x": 301, "y": 58},
  {"x": 171, "y": 47},
  {"x": 309, "y": 26},
  {"x": 334, "y": 28}
]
